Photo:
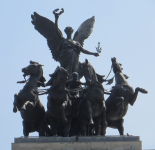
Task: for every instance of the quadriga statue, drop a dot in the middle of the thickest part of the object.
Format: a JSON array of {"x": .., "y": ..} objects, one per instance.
[
  {"x": 121, "y": 95},
  {"x": 27, "y": 101},
  {"x": 66, "y": 51}
]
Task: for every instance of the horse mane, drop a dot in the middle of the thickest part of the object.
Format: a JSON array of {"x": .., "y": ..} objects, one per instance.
[
  {"x": 42, "y": 78},
  {"x": 54, "y": 81},
  {"x": 41, "y": 81},
  {"x": 94, "y": 72},
  {"x": 117, "y": 67},
  {"x": 88, "y": 64}
]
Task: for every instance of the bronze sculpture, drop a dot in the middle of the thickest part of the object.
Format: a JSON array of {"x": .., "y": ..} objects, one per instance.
[
  {"x": 66, "y": 51},
  {"x": 27, "y": 101},
  {"x": 121, "y": 95},
  {"x": 70, "y": 107},
  {"x": 59, "y": 107},
  {"x": 92, "y": 106}
]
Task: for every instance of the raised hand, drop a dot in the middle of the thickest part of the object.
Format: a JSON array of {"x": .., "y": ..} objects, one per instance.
[{"x": 58, "y": 14}]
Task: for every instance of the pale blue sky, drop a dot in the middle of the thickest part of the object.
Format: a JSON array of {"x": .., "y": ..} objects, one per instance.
[{"x": 126, "y": 30}]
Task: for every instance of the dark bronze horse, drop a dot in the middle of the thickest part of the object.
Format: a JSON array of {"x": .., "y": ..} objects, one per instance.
[
  {"x": 27, "y": 101},
  {"x": 59, "y": 107},
  {"x": 91, "y": 107},
  {"x": 121, "y": 95}
]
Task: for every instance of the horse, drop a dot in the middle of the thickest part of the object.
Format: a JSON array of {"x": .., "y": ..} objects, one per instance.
[
  {"x": 27, "y": 100},
  {"x": 92, "y": 107},
  {"x": 59, "y": 107},
  {"x": 122, "y": 94}
]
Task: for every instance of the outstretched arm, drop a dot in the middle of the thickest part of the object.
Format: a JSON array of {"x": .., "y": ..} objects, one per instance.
[
  {"x": 56, "y": 20},
  {"x": 88, "y": 52}
]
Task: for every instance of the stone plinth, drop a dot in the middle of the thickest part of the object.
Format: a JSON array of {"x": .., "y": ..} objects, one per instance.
[{"x": 80, "y": 143}]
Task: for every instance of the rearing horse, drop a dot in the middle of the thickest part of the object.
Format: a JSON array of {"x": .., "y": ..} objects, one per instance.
[
  {"x": 27, "y": 100},
  {"x": 121, "y": 95},
  {"x": 92, "y": 107}
]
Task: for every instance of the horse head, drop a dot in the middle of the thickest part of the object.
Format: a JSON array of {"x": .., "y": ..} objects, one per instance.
[
  {"x": 116, "y": 66},
  {"x": 58, "y": 78},
  {"x": 120, "y": 78},
  {"x": 89, "y": 71},
  {"x": 35, "y": 70}
]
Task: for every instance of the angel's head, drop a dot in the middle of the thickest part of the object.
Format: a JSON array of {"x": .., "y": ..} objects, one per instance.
[{"x": 69, "y": 31}]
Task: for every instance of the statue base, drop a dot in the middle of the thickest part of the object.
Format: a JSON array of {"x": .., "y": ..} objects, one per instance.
[{"x": 78, "y": 143}]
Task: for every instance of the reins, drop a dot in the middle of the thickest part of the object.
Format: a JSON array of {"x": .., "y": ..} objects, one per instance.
[
  {"x": 23, "y": 81},
  {"x": 109, "y": 73},
  {"x": 74, "y": 90}
]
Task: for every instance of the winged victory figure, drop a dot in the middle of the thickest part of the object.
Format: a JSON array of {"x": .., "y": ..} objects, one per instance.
[{"x": 66, "y": 51}]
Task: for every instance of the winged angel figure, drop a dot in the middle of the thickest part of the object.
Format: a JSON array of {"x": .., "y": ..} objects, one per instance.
[{"x": 66, "y": 51}]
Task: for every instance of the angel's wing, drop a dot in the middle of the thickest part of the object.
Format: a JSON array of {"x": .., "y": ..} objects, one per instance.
[
  {"x": 84, "y": 31},
  {"x": 47, "y": 28}
]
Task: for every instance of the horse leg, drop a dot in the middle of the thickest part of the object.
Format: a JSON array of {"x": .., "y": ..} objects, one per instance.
[
  {"x": 67, "y": 126},
  {"x": 85, "y": 115},
  {"x": 83, "y": 128},
  {"x": 117, "y": 124},
  {"x": 103, "y": 121},
  {"x": 43, "y": 128},
  {"x": 120, "y": 101},
  {"x": 53, "y": 125},
  {"x": 82, "y": 124},
  {"x": 45, "y": 122},
  {"x": 97, "y": 123},
  {"x": 90, "y": 129},
  {"x": 134, "y": 96},
  {"x": 120, "y": 126},
  {"x": 64, "y": 119},
  {"x": 15, "y": 103},
  {"x": 28, "y": 127},
  {"x": 91, "y": 122}
]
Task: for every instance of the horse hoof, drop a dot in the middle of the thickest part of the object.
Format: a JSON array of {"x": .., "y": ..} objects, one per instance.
[
  {"x": 15, "y": 110},
  {"x": 142, "y": 90}
]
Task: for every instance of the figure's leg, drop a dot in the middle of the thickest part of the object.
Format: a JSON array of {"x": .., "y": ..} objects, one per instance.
[
  {"x": 15, "y": 103},
  {"x": 134, "y": 96}
]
